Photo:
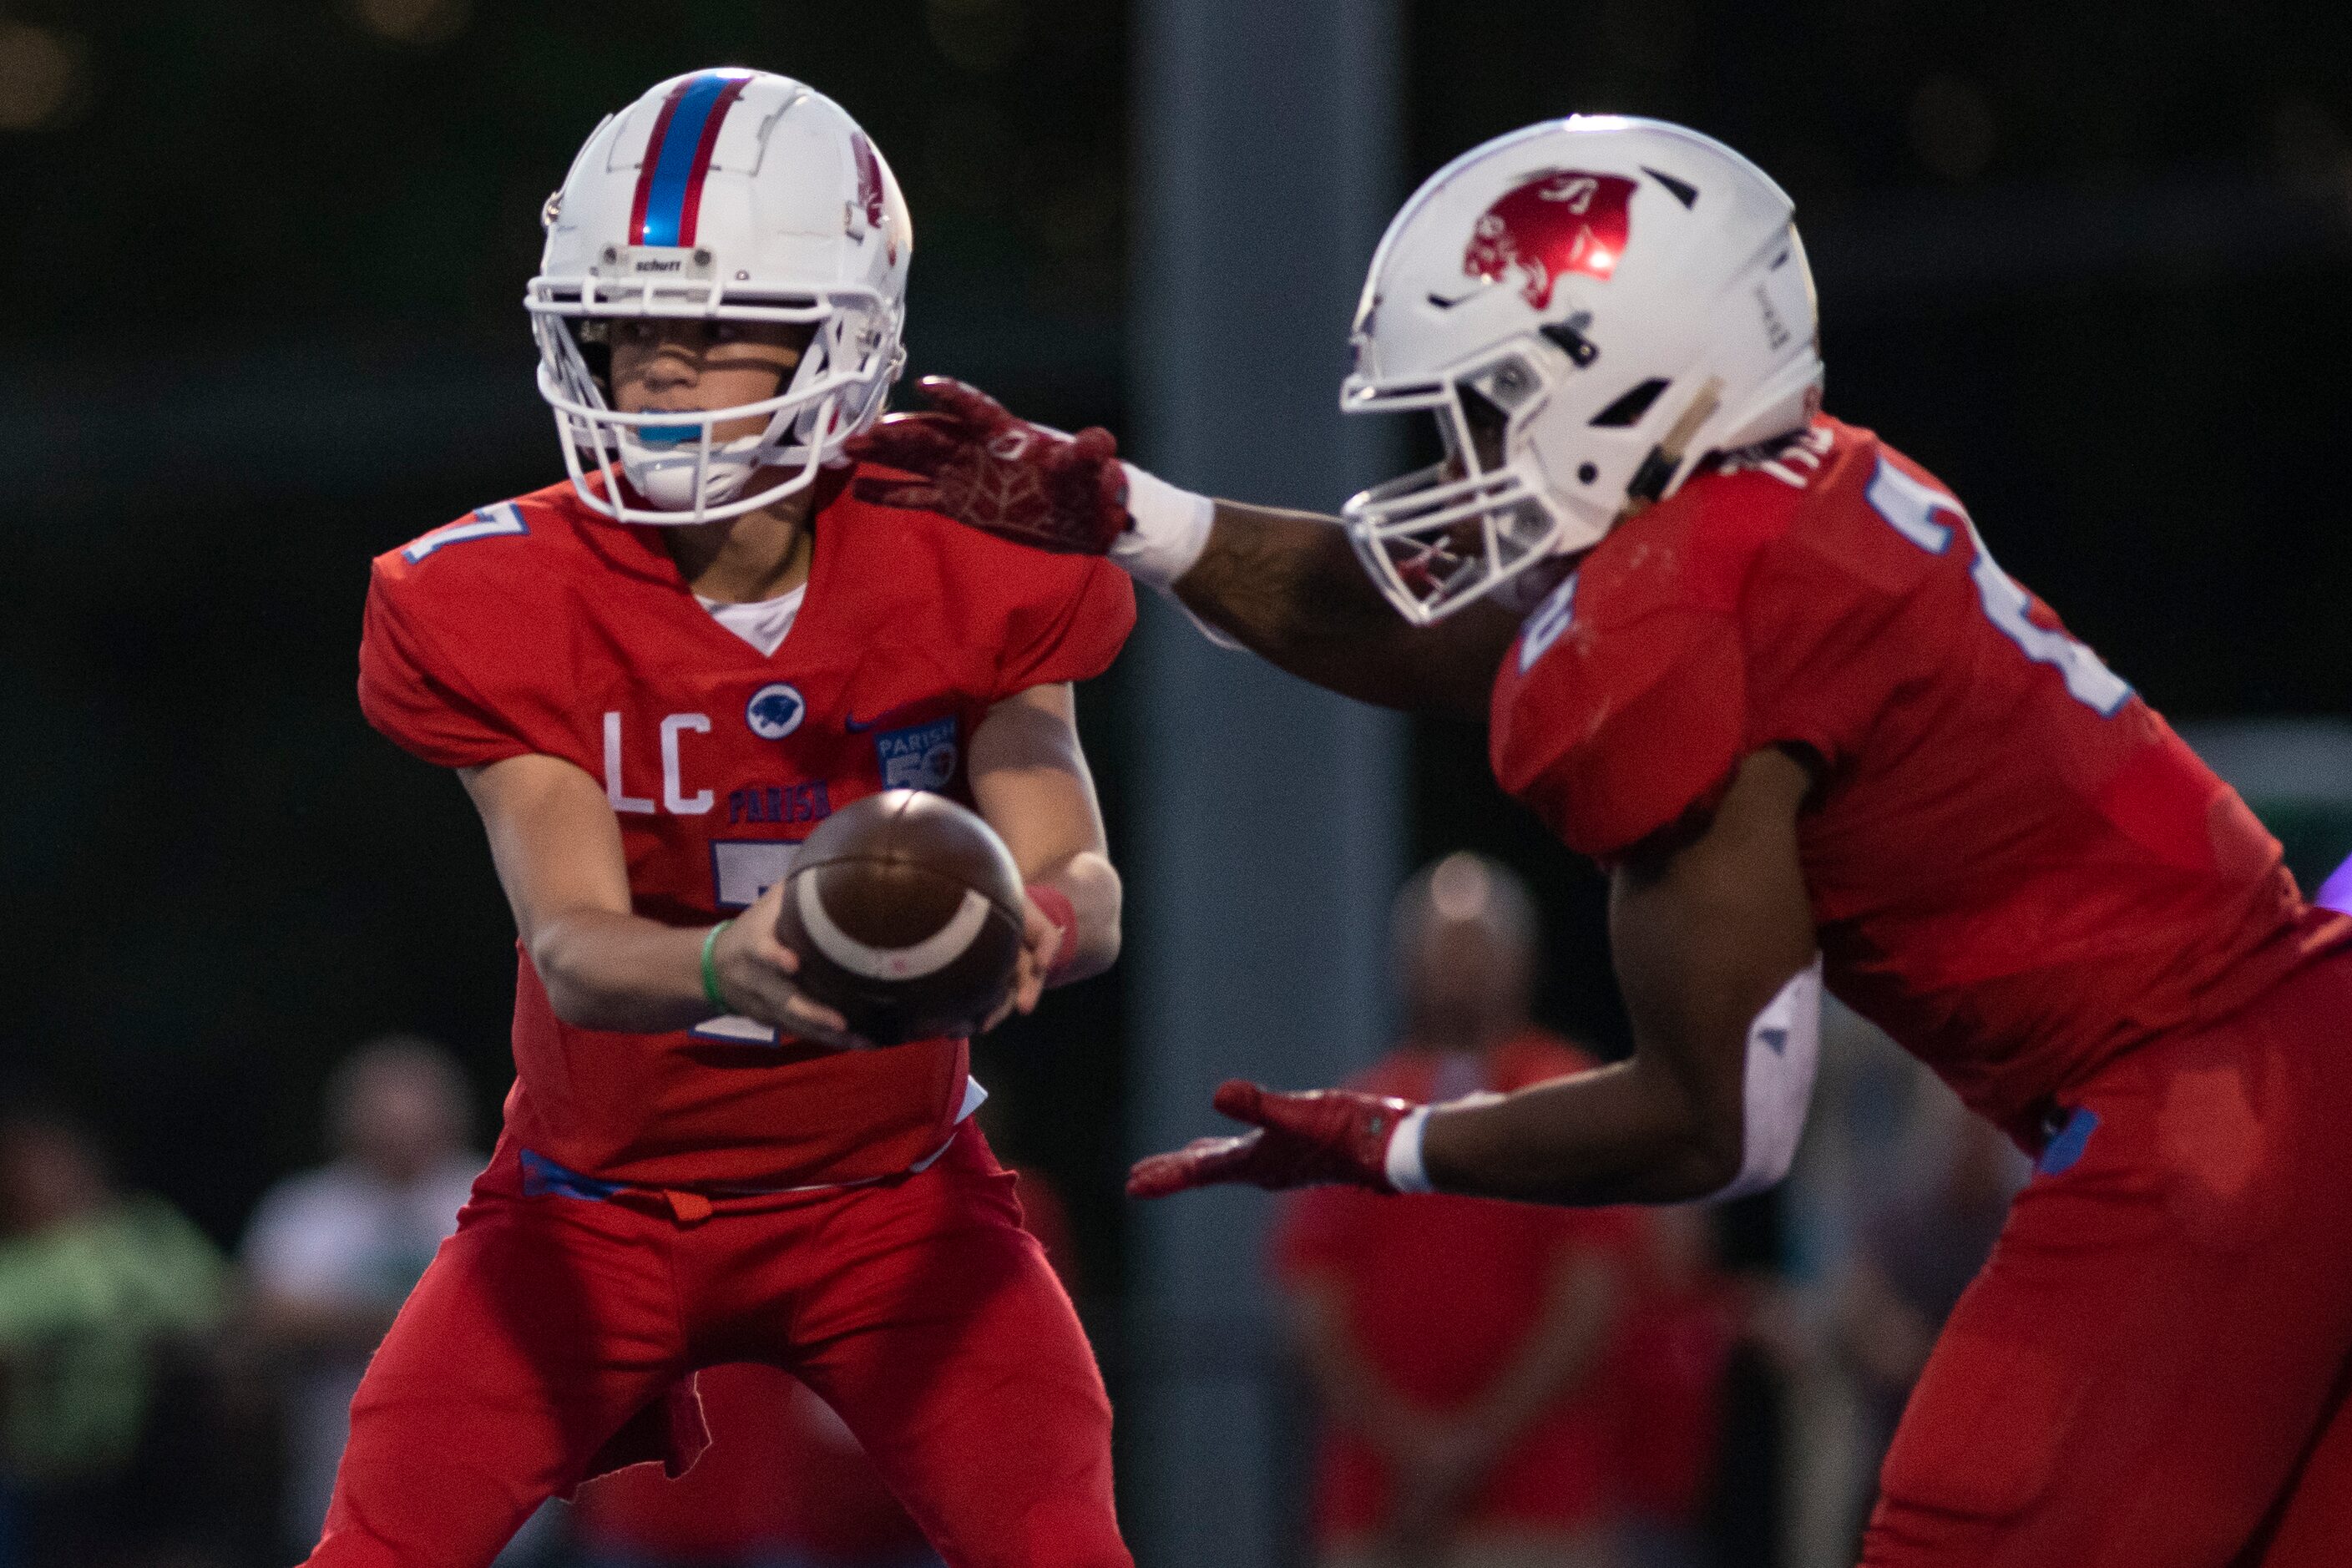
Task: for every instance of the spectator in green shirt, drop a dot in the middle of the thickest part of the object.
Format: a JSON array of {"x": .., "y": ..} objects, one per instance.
[{"x": 96, "y": 1286}]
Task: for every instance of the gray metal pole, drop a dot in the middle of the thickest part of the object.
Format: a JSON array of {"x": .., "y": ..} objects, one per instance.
[{"x": 1270, "y": 827}]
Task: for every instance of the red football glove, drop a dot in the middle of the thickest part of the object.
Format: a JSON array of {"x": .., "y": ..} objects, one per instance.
[
  {"x": 980, "y": 465},
  {"x": 1329, "y": 1135}
]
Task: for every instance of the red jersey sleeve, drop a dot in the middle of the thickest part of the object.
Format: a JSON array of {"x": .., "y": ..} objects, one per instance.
[
  {"x": 1071, "y": 630},
  {"x": 413, "y": 693},
  {"x": 1623, "y": 721},
  {"x": 456, "y": 669},
  {"x": 1750, "y": 611}
]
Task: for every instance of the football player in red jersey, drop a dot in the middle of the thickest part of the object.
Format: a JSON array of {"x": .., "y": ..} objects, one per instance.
[
  {"x": 655, "y": 679},
  {"x": 1762, "y": 667}
]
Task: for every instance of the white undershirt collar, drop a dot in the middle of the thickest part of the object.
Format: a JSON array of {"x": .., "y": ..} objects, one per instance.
[{"x": 762, "y": 623}]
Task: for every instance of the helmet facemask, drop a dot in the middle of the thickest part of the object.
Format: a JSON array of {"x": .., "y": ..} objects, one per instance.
[
  {"x": 674, "y": 460},
  {"x": 1464, "y": 528}
]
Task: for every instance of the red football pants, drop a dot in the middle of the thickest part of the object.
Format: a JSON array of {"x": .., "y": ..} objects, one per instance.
[
  {"x": 2151, "y": 1372},
  {"x": 916, "y": 1307}
]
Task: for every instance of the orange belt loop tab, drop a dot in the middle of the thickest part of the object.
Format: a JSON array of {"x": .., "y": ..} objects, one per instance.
[{"x": 687, "y": 1209}]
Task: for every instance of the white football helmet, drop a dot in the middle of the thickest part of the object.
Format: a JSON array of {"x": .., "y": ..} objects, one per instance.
[
  {"x": 1589, "y": 307},
  {"x": 721, "y": 195}
]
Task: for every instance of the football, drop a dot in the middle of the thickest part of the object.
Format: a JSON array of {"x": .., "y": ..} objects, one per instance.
[{"x": 905, "y": 909}]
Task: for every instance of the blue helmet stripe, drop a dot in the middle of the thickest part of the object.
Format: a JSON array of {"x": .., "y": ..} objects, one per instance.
[{"x": 673, "y": 160}]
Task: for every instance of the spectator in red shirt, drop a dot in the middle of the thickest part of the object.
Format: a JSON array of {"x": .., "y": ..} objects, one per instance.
[
  {"x": 1918, "y": 1251},
  {"x": 1453, "y": 1342},
  {"x": 1683, "y": 1316}
]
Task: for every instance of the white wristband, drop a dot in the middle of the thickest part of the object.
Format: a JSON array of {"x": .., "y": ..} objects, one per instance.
[
  {"x": 1169, "y": 528},
  {"x": 1405, "y": 1171}
]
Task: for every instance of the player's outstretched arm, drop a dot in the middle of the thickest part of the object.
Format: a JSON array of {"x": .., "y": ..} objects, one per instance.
[
  {"x": 1285, "y": 584},
  {"x": 557, "y": 845},
  {"x": 1712, "y": 940},
  {"x": 1030, "y": 780}
]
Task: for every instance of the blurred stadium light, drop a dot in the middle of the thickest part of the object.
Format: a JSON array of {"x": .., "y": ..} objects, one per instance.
[{"x": 1270, "y": 826}]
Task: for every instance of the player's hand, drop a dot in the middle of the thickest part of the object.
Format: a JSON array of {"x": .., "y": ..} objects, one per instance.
[
  {"x": 1041, "y": 942},
  {"x": 755, "y": 975},
  {"x": 1298, "y": 1139},
  {"x": 980, "y": 465}
]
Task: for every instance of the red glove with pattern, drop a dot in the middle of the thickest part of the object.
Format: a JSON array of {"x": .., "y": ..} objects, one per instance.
[
  {"x": 982, "y": 466},
  {"x": 1297, "y": 1139}
]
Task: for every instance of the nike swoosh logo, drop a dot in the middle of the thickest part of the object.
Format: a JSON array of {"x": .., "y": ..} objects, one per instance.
[
  {"x": 1442, "y": 304},
  {"x": 858, "y": 726}
]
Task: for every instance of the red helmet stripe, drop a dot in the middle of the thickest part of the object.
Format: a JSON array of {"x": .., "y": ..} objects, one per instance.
[
  {"x": 691, "y": 208},
  {"x": 650, "y": 160}
]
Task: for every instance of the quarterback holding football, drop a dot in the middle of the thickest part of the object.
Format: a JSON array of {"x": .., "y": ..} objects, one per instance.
[
  {"x": 656, "y": 678},
  {"x": 1762, "y": 667}
]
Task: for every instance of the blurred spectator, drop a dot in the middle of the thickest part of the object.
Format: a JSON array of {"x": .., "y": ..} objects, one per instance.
[
  {"x": 1914, "y": 1256},
  {"x": 784, "y": 1483},
  {"x": 1683, "y": 1319},
  {"x": 331, "y": 1253},
  {"x": 1452, "y": 1343},
  {"x": 100, "y": 1293}
]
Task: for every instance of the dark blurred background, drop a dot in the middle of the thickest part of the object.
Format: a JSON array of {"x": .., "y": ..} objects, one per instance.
[{"x": 2090, "y": 263}]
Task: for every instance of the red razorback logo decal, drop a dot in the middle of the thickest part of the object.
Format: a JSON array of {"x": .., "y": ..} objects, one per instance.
[
  {"x": 869, "y": 186},
  {"x": 1550, "y": 225}
]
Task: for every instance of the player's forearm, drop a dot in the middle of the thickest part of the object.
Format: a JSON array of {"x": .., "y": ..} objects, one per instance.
[
  {"x": 1091, "y": 883},
  {"x": 1625, "y": 1133},
  {"x": 623, "y": 973},
  {"x": 1287, "y": 586}
]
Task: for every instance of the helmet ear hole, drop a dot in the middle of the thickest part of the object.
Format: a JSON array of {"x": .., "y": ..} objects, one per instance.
[{"x": 1628, "y": 408}]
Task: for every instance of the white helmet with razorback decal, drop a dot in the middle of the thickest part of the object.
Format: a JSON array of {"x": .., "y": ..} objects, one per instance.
[
  {"x": 1589, "y": 307},
  {"x": 721, "y": 195}
]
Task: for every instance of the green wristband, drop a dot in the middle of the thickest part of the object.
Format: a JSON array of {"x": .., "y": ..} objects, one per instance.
[{"x": 710, "y": 991}]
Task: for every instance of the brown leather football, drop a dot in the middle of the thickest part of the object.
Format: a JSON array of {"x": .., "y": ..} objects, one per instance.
[{"x": 905, "y": 910}]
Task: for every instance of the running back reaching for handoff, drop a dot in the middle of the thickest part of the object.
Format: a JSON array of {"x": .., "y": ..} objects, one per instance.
[{"x": 1763, "y": 668}]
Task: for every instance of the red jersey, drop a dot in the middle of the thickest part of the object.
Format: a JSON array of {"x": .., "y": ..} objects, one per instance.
[
  {"x": 534, "y": 625},
  {"x": 1441, "y": 1293},
  {"x": 2017, "y": 868}
]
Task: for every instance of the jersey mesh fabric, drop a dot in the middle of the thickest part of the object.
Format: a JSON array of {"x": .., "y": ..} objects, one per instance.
[
  {"x": 2016, "y": 882},
  {"x": 564, "y": 635}
]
